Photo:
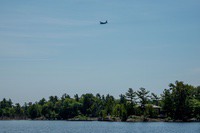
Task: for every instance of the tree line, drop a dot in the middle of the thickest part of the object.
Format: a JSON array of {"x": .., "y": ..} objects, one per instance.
[{"x": 179, "y": 102}]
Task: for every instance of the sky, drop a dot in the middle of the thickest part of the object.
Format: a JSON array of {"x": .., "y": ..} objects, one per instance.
[{"x": 50, "y": 47}]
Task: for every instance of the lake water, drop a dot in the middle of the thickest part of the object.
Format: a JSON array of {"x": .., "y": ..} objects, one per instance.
[{"x": 96, "y": 127}]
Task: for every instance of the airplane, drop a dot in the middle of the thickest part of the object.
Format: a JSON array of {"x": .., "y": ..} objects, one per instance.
[{"x": 104, "y": 22}]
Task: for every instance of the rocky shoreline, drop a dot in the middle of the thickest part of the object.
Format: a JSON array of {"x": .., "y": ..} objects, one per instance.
[{"x": 113, "y": 119}]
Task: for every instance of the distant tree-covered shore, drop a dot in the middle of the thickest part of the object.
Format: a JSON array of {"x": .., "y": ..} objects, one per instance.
[{"x": 180, "y": 102}]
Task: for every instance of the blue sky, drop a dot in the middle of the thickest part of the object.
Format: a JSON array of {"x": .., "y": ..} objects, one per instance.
[{"x": 50, "y": 47}]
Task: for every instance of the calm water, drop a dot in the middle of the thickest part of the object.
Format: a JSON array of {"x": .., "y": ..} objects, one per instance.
[{"x": 96, "y": 127}]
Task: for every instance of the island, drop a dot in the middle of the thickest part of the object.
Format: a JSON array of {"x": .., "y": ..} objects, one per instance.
[{"x": 180, "y": 102}]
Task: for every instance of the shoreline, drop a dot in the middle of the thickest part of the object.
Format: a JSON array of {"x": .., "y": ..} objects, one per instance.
[{"x": 98, "y": 119}]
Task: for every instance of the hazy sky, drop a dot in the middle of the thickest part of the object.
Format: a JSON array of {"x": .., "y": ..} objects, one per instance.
[{"x": 50, "y": 47}]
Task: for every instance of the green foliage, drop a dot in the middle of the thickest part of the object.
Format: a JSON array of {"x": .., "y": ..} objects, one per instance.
[
  {"x": 87, "y": 101},
  {"x": 18, "y": 111},
  {"x": 155, "y": 99},
  {"x": 150, "y": 112},
  {"x": 143, "y": 96},
  {"x": 195, "y": 107},
  {"x": 167, "y": 102},
  {"x": 70, "y": 108},
  {"x": 6, "y": 103},
  {"x": 130, "y": 95},
  {"x": 42, "y": 102},
  {"x": 103, "y": 114},
  {"x": 179, "y": 102},
  {"x": 122, "y": 99},
  {"x": 131, "y": 101},
  {"x": 34, "y": 111},
  {"x": 120, "y": 111},
  {"x": 109, "y": 104}
]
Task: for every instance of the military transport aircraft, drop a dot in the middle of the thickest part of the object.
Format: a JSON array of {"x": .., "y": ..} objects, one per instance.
[{"x": 104, "y": 22}]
